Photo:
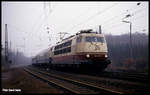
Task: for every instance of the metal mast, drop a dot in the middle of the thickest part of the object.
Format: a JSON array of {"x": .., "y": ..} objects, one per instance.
[
  {"x": 100, "y": 30},
  {"x": 6, "y": 44}
]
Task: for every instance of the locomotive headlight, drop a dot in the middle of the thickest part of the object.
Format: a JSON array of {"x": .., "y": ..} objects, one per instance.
[
  {"x": 87, "y": 55},
  {"x": 106, "y": 55}
]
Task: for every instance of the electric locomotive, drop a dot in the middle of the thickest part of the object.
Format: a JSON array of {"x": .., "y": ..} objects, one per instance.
[{"x": 85, "y": 50}]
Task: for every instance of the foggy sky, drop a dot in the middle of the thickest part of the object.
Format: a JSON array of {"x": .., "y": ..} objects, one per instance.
[{"x": 28, "y": 21}]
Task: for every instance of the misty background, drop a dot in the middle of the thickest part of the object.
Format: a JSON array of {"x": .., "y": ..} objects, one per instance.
[{"x": 34, "y": 26}]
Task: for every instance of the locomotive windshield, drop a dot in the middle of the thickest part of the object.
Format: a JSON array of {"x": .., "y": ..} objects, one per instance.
[
  {"x": 95, "y": 39},
  {"x": 79, "y": 39}
]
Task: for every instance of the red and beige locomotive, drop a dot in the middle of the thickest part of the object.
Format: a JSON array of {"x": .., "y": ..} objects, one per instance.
[{"x": 85, "y": 50}]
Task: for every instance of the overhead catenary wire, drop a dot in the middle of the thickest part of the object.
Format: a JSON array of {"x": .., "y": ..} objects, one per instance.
[
  {"x": 76, "y": 18},
  {"x": 42, "y": 21},
  {"x": 84, "y": 13},
  {"x": 30, "y": 35},
  {"x": 120, "y": 24},
  {"x": 13, "y": 42},
  {"x": 91, "y": 17},
  {"x": 108, "y": 27},
  {"x": 17, "y": 30},
  {"x": 79, "y": 15},
  {"x": 135, "y": 19},
  {"x": 45, "y": 17},
  {"x": 111, "y": 19},
  {"x": 115, "y": 16},
  {"x": 120, "y": 18},
  {"x": 36, "y": 21}
]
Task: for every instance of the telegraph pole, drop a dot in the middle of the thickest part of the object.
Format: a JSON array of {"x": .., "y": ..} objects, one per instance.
[{"x": 6, "y": 44}]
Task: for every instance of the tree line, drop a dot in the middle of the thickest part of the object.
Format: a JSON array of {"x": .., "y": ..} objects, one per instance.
[{"x": 119, "y": 51}]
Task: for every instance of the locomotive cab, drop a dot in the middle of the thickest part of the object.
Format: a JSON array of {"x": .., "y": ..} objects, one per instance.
[
  {"x": 91, "y": 43},
  {"x": 92, "y": 48}
]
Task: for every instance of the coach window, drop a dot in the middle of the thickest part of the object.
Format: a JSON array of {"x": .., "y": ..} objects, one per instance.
[
  {"x": 69, "y": 43},
  {"x": 65, "y": 44},
  {"x": 63, "y": 51},
  {"x": 55, "y": 48},
  {"x": 79, "y": 39},
  {"x": 69, "y": 49},
  {"x": 61, "y": 45}
]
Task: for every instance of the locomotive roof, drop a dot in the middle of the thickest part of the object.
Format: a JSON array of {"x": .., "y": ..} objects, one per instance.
[
  {"x": 89, "y": 31},
  {"x": 86, "y": 31}
]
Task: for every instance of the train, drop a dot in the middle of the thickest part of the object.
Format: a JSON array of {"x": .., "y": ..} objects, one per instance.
[{"x": 86, "y": 50}]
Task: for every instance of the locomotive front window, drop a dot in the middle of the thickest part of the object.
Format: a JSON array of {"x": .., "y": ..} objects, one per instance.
[
  {"x": 95, "y": 39},
  {"x": 79, "y": 39},
  {"x": 100, "y": 39}
]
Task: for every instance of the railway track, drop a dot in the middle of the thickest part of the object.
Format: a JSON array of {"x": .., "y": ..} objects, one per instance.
[
  {"x": 110, "y": 85},
  {"x": 125, "y": 76},
  {"x": 70, "y": 85},
  {"x": 129, "y": 76}
]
